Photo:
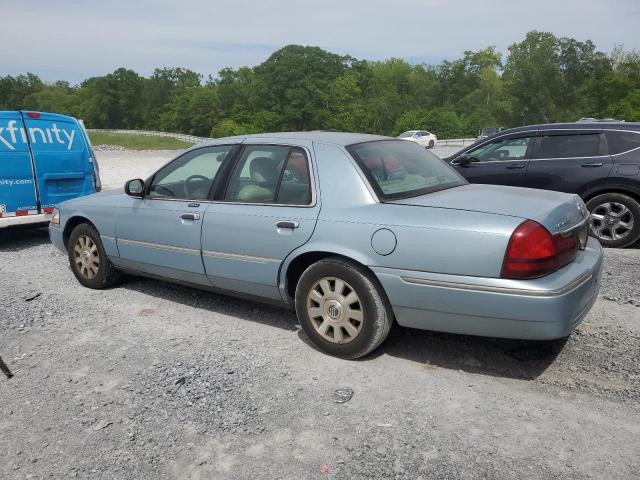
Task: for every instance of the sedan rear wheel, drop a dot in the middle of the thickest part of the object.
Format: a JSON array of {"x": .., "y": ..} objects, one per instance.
[
  {"x": 89, "y": 262},
  {"x": 615, "y": 219},
  {"x": 342, "y": 308}
]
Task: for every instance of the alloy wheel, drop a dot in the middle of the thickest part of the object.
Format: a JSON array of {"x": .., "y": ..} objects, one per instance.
[
  {"x": 86, "y": 257},
  {"x": 335, "y": 310},
  {"x": 611, "y": 221}
]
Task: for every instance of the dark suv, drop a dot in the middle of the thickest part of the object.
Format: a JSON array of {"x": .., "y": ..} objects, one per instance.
[{"x": 598, "y": 161}]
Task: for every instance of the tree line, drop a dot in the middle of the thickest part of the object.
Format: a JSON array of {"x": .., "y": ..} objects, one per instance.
[{"x": 541, "y": 79}]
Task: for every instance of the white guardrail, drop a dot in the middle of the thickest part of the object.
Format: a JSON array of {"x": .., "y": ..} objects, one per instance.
[
  {"x": 451, "y": 142},
  {"x": 151, "y": 133}
]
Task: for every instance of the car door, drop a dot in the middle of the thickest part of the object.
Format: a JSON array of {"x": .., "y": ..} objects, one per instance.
[
  {"x": 501, "y": 161},
  {"x": 62, "y": 157},
  {"x": 18, "y": 191},
  {"x": 570, "y": 161},
  {"x": 268, "y": 209},
  {"x": 160, "y": 233}
]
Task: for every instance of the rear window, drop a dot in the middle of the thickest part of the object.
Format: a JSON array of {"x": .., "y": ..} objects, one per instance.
[
  {"x": 398, "y": 169},
  {"x": 569, "y": 146},
  {"x": 620, "y": 142}
]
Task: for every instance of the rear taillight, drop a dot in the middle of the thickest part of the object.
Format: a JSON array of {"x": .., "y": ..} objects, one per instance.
[
  {"x": 533, "y": 252},
  {"x": 33, "y": 115}
]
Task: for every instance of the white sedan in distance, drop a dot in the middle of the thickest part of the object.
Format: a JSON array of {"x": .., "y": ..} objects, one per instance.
[{"x": 421, "y": 137}]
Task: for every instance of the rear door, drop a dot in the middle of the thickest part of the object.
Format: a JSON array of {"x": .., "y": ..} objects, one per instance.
[
  {"x": 268, "y": 210},
  {"x": 571, "y": 161},
  {"x": 502, "y": 161},
  {"x": 63, "y": 163},
  {"x": 18, "y": 194}
]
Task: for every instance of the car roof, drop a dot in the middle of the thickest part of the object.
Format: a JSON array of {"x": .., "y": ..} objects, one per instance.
[
  {"x": 575, "y": 126},
  {"x": 333, "y": 138}
]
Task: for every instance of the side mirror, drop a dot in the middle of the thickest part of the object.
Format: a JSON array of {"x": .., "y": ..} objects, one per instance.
[
  {"x": 134, "y": 188},
  {"x": 464, "y": 160}
]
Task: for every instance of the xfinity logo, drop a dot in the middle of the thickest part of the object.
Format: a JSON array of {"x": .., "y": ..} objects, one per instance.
[{"x": 9, "y": 135}]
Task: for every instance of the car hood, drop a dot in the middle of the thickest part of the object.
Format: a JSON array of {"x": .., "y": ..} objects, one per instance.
[{"x": 555, "y": 210}]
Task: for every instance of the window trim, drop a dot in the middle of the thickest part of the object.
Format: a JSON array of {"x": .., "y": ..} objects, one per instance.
[
  {"x": 382, "y": 197},
  {"x": 216, "y": 179},
  {"x": 222, "y": 189}
]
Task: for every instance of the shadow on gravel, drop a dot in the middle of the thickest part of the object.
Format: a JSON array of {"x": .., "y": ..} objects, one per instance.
[
  {"x": 216, "y": 303},
  {"x": 14, "y": 239},
  {"x": 499, "y": 357}
]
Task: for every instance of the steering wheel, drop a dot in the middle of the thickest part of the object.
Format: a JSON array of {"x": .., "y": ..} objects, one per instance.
[{"x": 187, "y": 192}]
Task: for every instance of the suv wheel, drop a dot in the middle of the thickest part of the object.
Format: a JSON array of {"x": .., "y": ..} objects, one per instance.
[
  {"x": 342, "y": 309},
  {"x": 88, "y": 260},
  {"x": 615, "y": 219}
]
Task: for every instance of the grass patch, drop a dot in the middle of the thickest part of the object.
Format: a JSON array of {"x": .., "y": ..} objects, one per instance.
[{"x": 138, "y": 142}]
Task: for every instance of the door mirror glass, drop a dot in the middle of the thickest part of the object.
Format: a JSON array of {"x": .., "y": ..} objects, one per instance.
[{"x": 134, "y": 188}]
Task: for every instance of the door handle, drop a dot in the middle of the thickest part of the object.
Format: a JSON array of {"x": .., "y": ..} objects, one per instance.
[
  {"x": 288, "y": 224},
  {"x": 592, "y": 164},
  {"x": 515, "y": 165},
  {"x": 190, "y": 216}
]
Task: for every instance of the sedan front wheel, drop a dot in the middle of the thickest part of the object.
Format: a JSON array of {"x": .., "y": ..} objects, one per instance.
[
  {"x": 88, "y": 260},
  {"x": 342, "y": 309}
]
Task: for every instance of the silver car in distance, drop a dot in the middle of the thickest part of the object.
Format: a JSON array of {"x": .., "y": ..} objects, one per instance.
[{"x": 354, "y": 231}]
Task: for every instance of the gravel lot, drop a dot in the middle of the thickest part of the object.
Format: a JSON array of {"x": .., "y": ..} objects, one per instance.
[{"x": 151, "y": 380}]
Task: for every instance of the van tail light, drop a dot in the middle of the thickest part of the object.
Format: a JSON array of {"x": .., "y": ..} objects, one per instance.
[
  {"x": 533, "y": 252},
  {"x": 34, "y": 115}
]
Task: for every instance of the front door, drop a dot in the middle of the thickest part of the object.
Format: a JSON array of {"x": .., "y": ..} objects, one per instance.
[
  {"x": 502, "y": 161},
  {"x": 268, "y": 209},
  {"x": 160, "y": 233}
]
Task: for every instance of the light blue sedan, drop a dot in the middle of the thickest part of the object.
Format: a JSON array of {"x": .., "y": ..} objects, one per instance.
[{"x": 354, "y": 231}]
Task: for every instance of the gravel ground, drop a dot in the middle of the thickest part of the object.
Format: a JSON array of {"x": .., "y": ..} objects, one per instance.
[{"x": 151, "y": 380}]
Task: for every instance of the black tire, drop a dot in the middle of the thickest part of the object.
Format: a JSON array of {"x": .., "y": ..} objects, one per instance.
[
  {"x": 377, "y": 315},
  {"x": 596, "y": 204},
  {"x": 106, "y": 274},
  {"x": 431, "y": 144}
]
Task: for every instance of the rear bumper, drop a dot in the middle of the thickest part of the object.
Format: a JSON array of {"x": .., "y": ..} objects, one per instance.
[
  {"x": 24, "y": 220},
  {"x": 540, "y": 309}
]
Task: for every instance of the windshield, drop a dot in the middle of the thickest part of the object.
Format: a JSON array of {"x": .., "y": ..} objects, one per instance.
[
  {"x": 403, "y": 169},
  {"x": 405, "y": 134}
]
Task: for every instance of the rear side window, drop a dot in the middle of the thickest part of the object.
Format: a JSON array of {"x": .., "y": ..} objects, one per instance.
[
  {"x": 569, "y": 146},
  {"x": 620, "y": 142},
  {"x": 271, "y": 174}
]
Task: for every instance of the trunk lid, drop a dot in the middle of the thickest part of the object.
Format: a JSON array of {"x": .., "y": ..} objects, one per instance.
[{"x": 556, "y": 211}]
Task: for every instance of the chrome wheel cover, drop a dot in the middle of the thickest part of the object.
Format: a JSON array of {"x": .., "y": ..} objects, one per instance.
[
  {"x": 611, "y": 221},
  {"x": 86, "y": 257},
  {"x": 335, "y": 310}
]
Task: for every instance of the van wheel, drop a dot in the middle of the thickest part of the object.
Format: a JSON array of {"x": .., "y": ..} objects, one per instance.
[
  {"x": 88, "y": 260},
  {"x": 615, "y": 219},
  {"x": 342, "y": 309}
]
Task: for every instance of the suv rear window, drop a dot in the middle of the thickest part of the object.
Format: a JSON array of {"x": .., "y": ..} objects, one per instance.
[
  {"x": 620, "y": 142},
  {"x": 399, "y": 169},
  {"x": 569, "y": 146}
]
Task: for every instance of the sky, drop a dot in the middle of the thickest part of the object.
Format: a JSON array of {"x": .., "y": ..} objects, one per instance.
[{"x": 75, "y": 39}]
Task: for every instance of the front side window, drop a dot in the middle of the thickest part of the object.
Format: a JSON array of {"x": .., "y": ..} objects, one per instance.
[
  {"x": 503, "y": 149},
  {"x": 190, "y": 176},
  {"x": 569, "y": 146},
  {"x": 398, "y": 169},
  {"x": 620, "y": 142},
  {"x": 271, "y": 174}
]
